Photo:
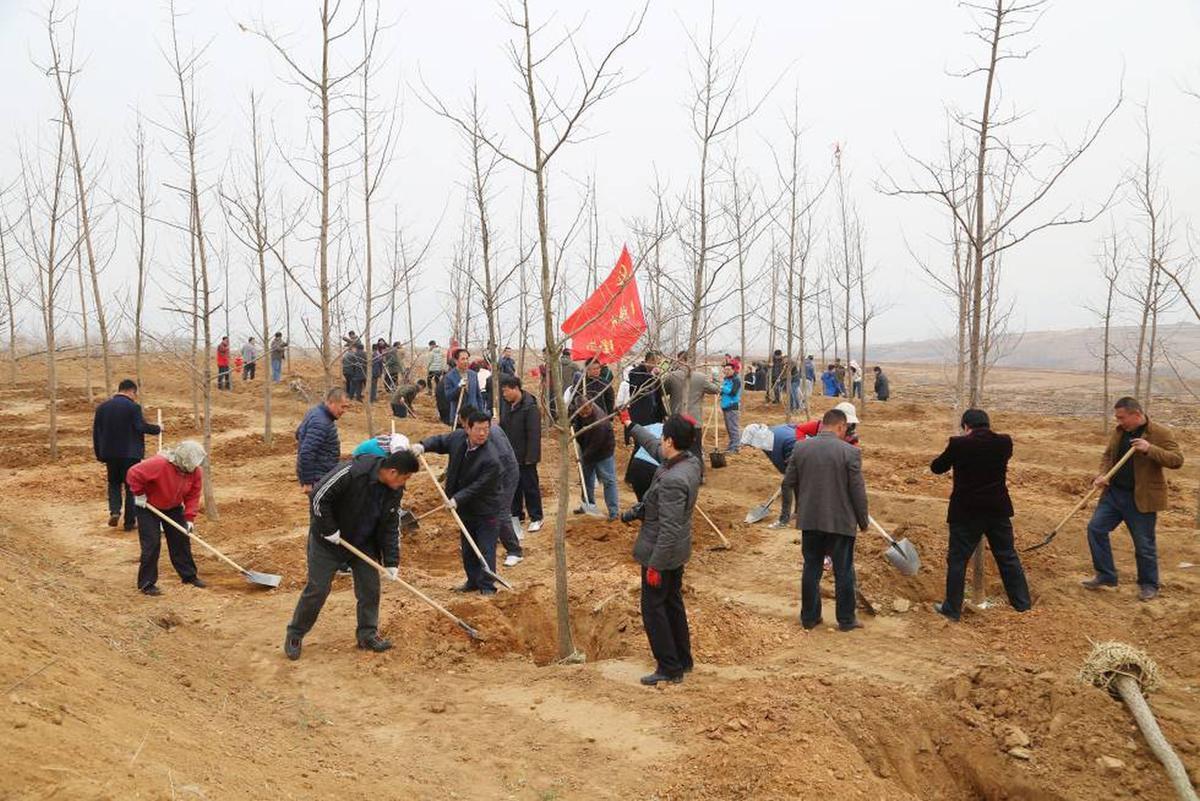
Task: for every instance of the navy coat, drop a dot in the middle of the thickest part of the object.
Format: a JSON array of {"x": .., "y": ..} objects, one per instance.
[{"x": 119, "y": 430}]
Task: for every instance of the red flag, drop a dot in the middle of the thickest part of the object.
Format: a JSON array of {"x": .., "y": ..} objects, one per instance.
[{"x": 610, "y": 322}]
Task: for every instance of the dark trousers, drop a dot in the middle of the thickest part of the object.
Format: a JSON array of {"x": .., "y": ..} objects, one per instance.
[
  {"x": 485, "y": 531},
  {"x": 528, "y": 497},
  {"x": 815, "y": 546},
  {"x": 698, "y": 449},
  {"x": 151, "y": 530},
  {"x": 374, "y": 388},
  {"x": 399, "y": 410},
  {"x": 432, "y": 380},
  {"x": 223, "y": 377},
  {"x": 248, "y": 371},
  {"x": 1116, "y": 507},
  {"x": 665, "y": 621},
  {"x": 639, "y": 474},
  {"x": 324, "y": 560},
  {"x": 506, "y": 532},
  {"x": 964, "y": 539},
  {"x": 354, "y": 387},
  {"x": 116, "y": 469}
]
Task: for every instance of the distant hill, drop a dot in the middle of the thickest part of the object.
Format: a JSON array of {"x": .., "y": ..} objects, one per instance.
[{"x": 1075, "y": 349}]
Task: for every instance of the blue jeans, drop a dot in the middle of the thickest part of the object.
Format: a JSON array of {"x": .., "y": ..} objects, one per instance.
[
  {"x": 276, "y": 370},
  {"x": 607, "y": 470},
  {"x": 1116, "y": 506},
  {"x": 795, "y": 396}
]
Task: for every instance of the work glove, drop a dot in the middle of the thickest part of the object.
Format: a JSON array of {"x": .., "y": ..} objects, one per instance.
[
  {"x": 335, "y": 538},
  {"x": 417, "y": 449},
  {"x": 625, "y": 419},
  {"x": 653, "y": 577},
  {"x": 632, "y": 513},
  {"x": 139, "y": 501},
  {"x": 393, "y": 573},
  {"x": 451, "y": 504}
]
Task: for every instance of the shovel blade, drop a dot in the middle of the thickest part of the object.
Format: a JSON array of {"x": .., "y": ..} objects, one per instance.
[
  {"x": 408, "y": 521},
  {"x": 903, "y": 556},
  {"x": 758, "y": 513},
  {"x": 264, "y": 579}
]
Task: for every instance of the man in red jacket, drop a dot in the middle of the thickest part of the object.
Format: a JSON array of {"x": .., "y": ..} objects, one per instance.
[
  {"x": 223, "y": 364},
  {"x": 170, "y": 482}
]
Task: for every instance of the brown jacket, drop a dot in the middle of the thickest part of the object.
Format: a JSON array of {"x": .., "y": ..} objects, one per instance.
[{"x": 1149, "y": 485}]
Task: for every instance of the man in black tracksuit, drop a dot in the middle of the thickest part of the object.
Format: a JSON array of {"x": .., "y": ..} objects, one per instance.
[
  {"x": 979, "y": 507},
  {"x": 119, "y": 440},
  {"x": 473, "y": 484},
  {"x": 358, "y": 502}
]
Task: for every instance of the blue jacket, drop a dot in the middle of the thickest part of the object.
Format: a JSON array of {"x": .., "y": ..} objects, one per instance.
[
  {"x": 119, "y": 430},
  {"x": 785, "y": 441},
  {"x": 472, "y": 396},
  {"x": 731, "y": 393},
  {"x": 319, "y": 447},
  {"x": 810, "y": 370},
  {"x": 829, "y": 380}
]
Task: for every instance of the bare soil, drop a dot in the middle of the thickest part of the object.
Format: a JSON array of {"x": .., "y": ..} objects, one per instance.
[{"x": 112, "y": 695}]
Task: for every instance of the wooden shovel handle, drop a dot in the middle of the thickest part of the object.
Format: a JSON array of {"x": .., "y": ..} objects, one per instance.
[
  {"x": 196, "y": 537},
  {"x": 461, "y": 525},
  {"x": 1107, "y": 477},
  {"x": 708, "y": 520}
]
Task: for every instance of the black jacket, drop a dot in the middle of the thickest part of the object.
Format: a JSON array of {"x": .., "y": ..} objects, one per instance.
[
  {"x": 980, "y": 464},
  {"x": 648, "y": 407},
  {"x": 350, "y": 499},
  {"x": 600, "y": 393},
  {"x": 473, "y": 477},
  {"x": 119, "y": 430},
  {"x": 598, "y": 442},
  {"x": 522, "y": 422}
]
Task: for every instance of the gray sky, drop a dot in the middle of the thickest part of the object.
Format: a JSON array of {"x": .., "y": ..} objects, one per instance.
[{"x": 871, "y": 75}]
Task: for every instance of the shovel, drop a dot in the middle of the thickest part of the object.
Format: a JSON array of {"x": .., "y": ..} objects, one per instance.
[
  {"x": 265, "y": 579},
  {"x": 716, "y": 456},
  {"x": 472, "y": 633},
  {"x": 1107, "y": 477},
  {"x": 462, "y": 526},
  {"x": 589, "y": 509},
  {"x": 761, "y": 511},
  {"x": 902, "y": 555}
]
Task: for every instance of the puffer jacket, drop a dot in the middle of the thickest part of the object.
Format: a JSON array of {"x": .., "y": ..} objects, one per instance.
[
  {"x": 665, "y": 539},
  {"x": 731, "y": 393},
  {"x": 351, "y": 500},
  {"x": 319, "y": 447}
]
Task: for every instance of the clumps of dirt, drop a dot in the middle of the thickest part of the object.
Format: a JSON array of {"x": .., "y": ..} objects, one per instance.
[
  {"x": 238, "y": 450},
  {"x": 78, "y": 404},
  {"x": 178, "y": 423},
  {"x": 38, "y": 455},
  {"x": 168, "y": 621}
]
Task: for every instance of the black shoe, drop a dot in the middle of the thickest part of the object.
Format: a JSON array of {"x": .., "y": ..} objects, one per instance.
[
  {"x": 151, "y": 590},
  {"x": 940, "y": 608},
  {"x": 1097, "y": 583},
  {"x": 344, "y": 569},
  {"x": 689, "y": 669},
  {"x": 291, "y": 647},
  {"x": 466, "y": 586},
  {"x": 375, "y": 643},
  {"x": 487, "y": 592},
  {"x": 810, "y": 626},
  {"x": 112, "y": 520},
  {"x": 196, "y": 582},
  {"x": 849, "y": 626},
  {"x": 130, "y": 527},
  {"x": 656, "y": 677}
]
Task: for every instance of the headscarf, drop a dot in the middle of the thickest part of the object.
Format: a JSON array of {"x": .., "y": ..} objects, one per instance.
[{"x": 187, "y": 456}]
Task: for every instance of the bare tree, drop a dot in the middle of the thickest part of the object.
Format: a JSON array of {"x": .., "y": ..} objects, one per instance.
[
  {"x": 62, "y": 67},
  {"x": 83, "y": 308},
  {"x": 1112, "y": 265},
  {"x": 10, "y": 315},
  {"x": 553, "y": 123},
  {"x": 144, "y": 206}
]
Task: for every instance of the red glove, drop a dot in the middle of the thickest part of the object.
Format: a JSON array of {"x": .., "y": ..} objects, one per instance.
[
  {"x": 653, "y": 577},
  {"x": 625, "y": 419}
]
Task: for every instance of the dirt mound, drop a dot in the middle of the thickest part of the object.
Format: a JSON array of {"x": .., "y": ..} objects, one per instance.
[{"x": 239, "y": 449}]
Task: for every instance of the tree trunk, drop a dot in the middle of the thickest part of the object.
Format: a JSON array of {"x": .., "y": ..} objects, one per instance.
[
  {"x": 83, "y": 313},
  {"x": 140, "y": 304},
  {"x": 8, "y": 302},
  {"x": 260, "y": 247}
]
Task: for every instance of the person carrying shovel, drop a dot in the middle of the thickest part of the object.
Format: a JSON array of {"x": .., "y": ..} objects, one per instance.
[
  {"x": 171, "y": 482},
  {"x": 979, "y": 507},
  {"x": 358, "y": 502}
]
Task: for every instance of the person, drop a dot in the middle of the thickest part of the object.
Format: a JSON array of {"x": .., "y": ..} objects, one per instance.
[
  {"x": 405, "y": 397},
  {"x": 776, "y": 384},
  {"x": 856, "y": 380},
  {"x": 731, "y": 398},
  {"x": 640, "y": 470},
  {"x": 829, "y": 385},
  {"x": 646, "y": 405},
  {"x": 508, "y": 365},
  {"x": 686, "y": 394},
  {"x": 461, "y": 385},
  {"x": 777, "y": 442},
  {"x": 882, "y": 389},
  {"x": 795, "y": 382},
  {"x": 979, "y": 507},
  {"x": 664, "y": 544},
  {"x": 839, "y": 375},
  {"x": 473, "y": 486},
  {"x": 1134, "y": 496},
  {"x": 824, "y": 476},
  {"x": 237, "y": 363},
  {"x": 597, "y": 449},
  {"x": 354, "y": 370},
  {"x": 223, "y": 364},
  {"x": 350, "y": 341},
  {"x": 596, "y": 388},
  {"x": 393, "y": 367},
  {"x": 318, "y": 445},
  {"x": 378, "y": 352},
  {"x": 170, "y": 482},
  {"x": 435, "y": 366},
  {"x": 249, "y": 359},
  {"x": 359, "y": 503},
  {"x": 522, "y": 422},
  {"x": 810, "y": 375},
  {"x": 278, "y": 354},
  {"x": 508, "y": 532},
  {"x": 119, "y": 441}
]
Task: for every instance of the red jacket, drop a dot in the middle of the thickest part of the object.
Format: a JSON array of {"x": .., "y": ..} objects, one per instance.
[
  {"x": 223, "y": 354},
  {"x": 165, "y": 485},
  {"x": 810, "y": 429}
]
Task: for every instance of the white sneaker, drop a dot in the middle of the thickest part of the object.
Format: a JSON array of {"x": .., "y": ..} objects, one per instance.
[
  {"x": 535, "y": 526},
  {"x": 777, "y": 524},
  {"x": 512, "y": 560}
]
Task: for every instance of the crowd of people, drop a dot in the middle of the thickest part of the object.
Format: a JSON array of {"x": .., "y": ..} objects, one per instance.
[
  {"x": 245, "y": 360},
  {"x": 493, "y": 450}
]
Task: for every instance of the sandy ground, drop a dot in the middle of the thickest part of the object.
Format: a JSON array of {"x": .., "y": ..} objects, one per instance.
[{"x": 112, "y": 695}]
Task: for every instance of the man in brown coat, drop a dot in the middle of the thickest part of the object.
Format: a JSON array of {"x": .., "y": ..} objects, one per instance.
[{"x": 1134, "y": 496}]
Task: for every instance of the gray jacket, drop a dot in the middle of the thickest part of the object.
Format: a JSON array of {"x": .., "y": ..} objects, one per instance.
[
  {"x": 825, "y": 477},
  {"x": 510, "y": 474},
  {"x": 687, "y": 394},
  {"x": 665, "y": 539}
]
